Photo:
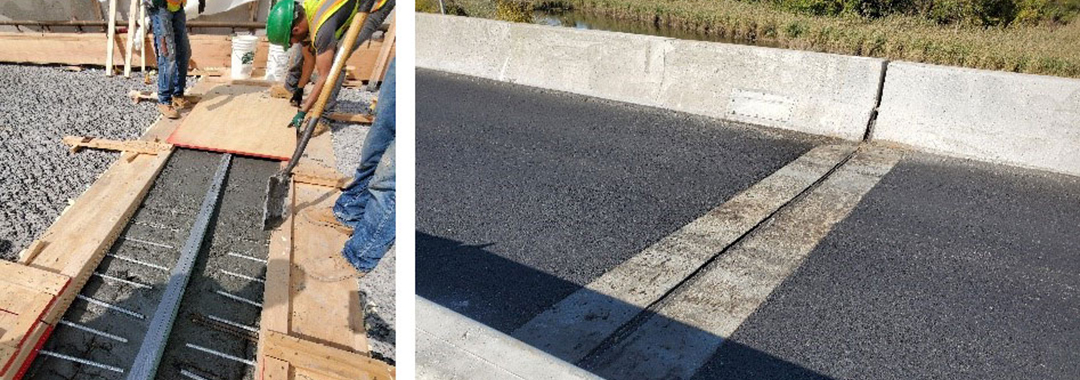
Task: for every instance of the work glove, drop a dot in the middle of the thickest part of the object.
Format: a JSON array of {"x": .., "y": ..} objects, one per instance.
[
  {"x": 298, "y": 120},
  {"x": 297, "y": 97}
]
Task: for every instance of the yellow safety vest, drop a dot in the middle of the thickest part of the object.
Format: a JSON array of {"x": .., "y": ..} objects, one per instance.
[
  {"x": 318, "y": 11},
  {"x": 171, "y": 5}
]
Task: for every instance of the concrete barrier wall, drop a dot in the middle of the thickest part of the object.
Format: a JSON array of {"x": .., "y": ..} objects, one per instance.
[
  {"x": 816, "y": 93},
  {"x": 1019, "y": 119}
]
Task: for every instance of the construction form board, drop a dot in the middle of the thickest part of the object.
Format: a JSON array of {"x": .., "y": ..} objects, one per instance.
[
  {"x": 302, "y": 312},
  {"x": 25, "y": 294},
  {"x": 207, "y": 51},
  {"x": 239, "y": 119}
]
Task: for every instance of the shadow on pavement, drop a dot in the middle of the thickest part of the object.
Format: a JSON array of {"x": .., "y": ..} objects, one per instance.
[{"x": 504, "y": 295}]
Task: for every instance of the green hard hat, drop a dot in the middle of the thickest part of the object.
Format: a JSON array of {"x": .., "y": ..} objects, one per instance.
[{"x": 279, "y": 23}]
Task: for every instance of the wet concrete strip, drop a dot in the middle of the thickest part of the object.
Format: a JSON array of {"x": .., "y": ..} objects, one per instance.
[
  {"x": 178, "y": 187},
  {"x": 678, "y": 336},
  {"x": 165, "y": 217},
  {"x": 571, "y": 329}
]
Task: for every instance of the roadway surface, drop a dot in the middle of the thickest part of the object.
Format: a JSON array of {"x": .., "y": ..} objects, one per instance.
[
  {"x": 524, "y": 196},
  {"x": 925, "y": 267}
]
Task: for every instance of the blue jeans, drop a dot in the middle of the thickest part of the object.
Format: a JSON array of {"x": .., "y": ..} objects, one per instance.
[
  {"x": 173, "y": 51},
  {"x": 367, "y": 204}
]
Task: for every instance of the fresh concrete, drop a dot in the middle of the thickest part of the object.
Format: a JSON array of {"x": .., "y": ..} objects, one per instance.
[
  {"x": 451, "y": 346},
  {"x": 1017, "y": 119},
  {"x": 570, "y": 329},
  {"x": 817, "y": 93}
]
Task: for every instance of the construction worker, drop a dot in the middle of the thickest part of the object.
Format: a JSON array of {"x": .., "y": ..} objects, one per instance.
[
  {"x": 173, "y": 52},
  {"x": 366, "y": 206},
  {"x": 318, "y": 26}
]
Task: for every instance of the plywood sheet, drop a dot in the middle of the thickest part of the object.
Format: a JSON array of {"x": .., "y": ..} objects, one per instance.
[{"x": 239, "y": 119}]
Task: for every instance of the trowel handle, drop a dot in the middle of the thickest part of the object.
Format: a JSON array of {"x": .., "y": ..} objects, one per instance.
[{"x": 344, "y": 51}]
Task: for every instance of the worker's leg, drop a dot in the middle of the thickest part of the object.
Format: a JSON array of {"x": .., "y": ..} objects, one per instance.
[
  {"x": 374, "y": 234},
  {"x": 350, "y": 206},
  {"x": 372, "y": 24},
  {"x": 161, "y": 20},
  {"x": 183, "y": 52}
]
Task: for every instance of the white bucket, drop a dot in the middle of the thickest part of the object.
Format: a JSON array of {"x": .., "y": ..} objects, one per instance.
[
  {"x": 277, "y": 62},
  {"x": 243, "y": 56}
]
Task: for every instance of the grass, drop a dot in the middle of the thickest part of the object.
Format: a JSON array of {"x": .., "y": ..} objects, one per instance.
[{"x": 1049, "y": 48}]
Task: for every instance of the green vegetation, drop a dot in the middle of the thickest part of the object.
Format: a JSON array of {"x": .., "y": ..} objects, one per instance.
[{"x": 1029, "y": 36}]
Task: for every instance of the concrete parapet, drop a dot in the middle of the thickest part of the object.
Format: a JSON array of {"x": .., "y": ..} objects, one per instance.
[
  {"x": 1019, "y": 119},
  {"x": 817, "y": 93}
]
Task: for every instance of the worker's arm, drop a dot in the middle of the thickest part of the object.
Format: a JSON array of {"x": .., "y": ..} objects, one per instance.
[
  {"x": 308, "y": 67},
  {"x": 324, "y": 62}
]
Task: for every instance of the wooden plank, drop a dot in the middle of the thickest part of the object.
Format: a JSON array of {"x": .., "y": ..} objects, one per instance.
[
  {"x": 110, "y": 34},
  {"x": 137, "y": 146},
  {"x": 32, "y": 278},
  {"x": 242, "y": 120},
  {"x": 30, "y": 252},
  {"x": 383, "y": 60},
  {"x": 18, "y": 331},
  {"x": 142, "y": 42},
  {"x": 314, "y": 174},
  {"x": 327, "y": 312},
  {"x": 133, "y": 11},
  {"x": 274, "y": 369},
  {"x": 16, "y": 299},
  {"x": 307, "y": 374},
  {"x": 351, "y": 117},
  {"x": 27, "y": 352},
  {"x": 316, "y": 357},
  {"x": 207, "y": 51}
]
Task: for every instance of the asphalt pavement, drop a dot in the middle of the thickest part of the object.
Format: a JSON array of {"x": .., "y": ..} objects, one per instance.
[{"x": 526, "y": 195}]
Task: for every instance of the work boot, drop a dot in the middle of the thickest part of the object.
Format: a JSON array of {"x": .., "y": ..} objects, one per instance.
[
  {"x": 325, "y": 217},
  {"x": 168, "y": 111},
  {"x": 279, "y": 91},
  {"x": 180, "y": 102},
  {"x": 331, "y": 267}
]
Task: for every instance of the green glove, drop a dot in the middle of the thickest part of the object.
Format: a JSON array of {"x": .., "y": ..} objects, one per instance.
[{"x": 298, "y": 120}]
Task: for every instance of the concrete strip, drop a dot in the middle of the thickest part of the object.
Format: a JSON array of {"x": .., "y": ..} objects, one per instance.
[
  {"x": 451, "y": 346},
  {"x": 579, "y": 323},
  {"x": 1025, "y": 120},
  {"x": 690, "y": 324},
  {"x": 462, "y": 45},
  {"x": 616, "y": 66},
  {"x": 823, "y": 94}
]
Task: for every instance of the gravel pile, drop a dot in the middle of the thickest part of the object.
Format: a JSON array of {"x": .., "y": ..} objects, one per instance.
[
  {"x": 38, "y": 107},
  {"x": 378, "y": 286}
]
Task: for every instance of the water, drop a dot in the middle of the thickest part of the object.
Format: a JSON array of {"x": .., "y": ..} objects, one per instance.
[{"x": 582, "y": 20}]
